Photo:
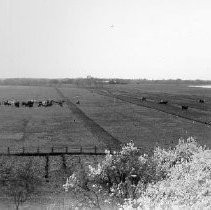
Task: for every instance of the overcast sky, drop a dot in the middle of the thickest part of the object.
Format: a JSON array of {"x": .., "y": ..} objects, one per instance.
[{"x": 152, "y": 39}]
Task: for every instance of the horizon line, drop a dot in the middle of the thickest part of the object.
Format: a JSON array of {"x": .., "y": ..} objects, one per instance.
[{"x": 108, "y": 78}]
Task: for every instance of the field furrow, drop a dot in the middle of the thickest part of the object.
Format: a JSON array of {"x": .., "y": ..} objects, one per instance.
[{"x": 97, "y": 131}]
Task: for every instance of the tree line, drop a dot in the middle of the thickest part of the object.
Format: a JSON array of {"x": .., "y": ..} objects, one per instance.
[{"x": 94, "y": 82}]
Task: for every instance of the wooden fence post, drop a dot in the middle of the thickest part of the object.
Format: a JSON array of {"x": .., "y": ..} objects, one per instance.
[
  {"x": 38, "y": 150},
  {"x": 23, "y": 149},
  {"x": 64, "y": 166},
  {"x": 81, "y": 149},
  {"x": 8, "y": 150},
  {"x": 79, "y": 160},
  {"x": 47, "y": 168},
  {"x": 52, "y": 149},
  {"x": 95, "y": 149},
  {"x": 66, "y": 149}
]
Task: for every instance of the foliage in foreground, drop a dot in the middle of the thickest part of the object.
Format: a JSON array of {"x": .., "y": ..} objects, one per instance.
[
  {"x": 18, "y": 180},
  {"x": 179, "y": 177}
]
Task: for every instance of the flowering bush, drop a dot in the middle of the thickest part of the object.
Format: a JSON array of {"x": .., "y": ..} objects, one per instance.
[
  {"x": 124, "y": 174},
  {"x": 184, "y": 151},
  {"x": 178, "y": 177},
  {"x": 83, "y": 189},
  {"x": 188, "y": 180},
  {"x": 119, "y": 176}
]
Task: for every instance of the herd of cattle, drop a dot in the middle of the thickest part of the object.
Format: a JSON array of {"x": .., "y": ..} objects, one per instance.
[
  {"x": 184, "y": 107},
  {"x": 31, "y": 103}
]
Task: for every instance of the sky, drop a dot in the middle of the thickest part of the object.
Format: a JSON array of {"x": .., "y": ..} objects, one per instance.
[{"x": 153, "y": 39}]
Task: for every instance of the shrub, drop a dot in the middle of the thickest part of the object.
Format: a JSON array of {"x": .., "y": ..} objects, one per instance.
[
  {"x": 19, "y": 181},
  {"x": 177, "y": 177},
  {"x": 187, "y": 183},
  {"x": 82, "y": 189},
  {"x": 119, "y": 176}
]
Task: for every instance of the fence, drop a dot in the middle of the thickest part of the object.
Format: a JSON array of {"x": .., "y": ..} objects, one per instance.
[
  {"x": 57, "y": 151},
  {"x": 54, "y": 151}
]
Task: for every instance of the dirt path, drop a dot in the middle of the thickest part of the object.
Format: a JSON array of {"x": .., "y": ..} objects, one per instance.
[{"x": 96, "y": 130}]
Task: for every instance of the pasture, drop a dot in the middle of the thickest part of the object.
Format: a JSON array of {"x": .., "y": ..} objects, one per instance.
[
  {"x": 98, "y": 120},
  {"x": 42, "y": 127},
  {"x": 146, "y": 127},
  {"x": 82, "y": 124}
]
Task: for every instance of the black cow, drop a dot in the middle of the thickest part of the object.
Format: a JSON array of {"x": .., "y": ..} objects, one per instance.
[
  {"x": 184, "y": 107},
  {"x": 201, "y": 101},
  {"x": 78, "y": 102},
  {"x": 28, "y": 104},
  {"x": 143, "y": 99},
  {"x": 49, "y": 103},
  {"x": 17, "y": 104},
  {"x": 7, "y": 103}
]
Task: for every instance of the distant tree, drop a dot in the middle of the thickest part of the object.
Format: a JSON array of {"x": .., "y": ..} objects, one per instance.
[{"x": 54, "y": 82}]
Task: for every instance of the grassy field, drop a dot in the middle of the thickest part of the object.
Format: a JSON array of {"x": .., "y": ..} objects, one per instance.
[
  {"x": 77, "y": 125},
  {"x": 146, "y": 127},
  {"x": 39, "y": 126},
  {"x": 55, "y": 126}
]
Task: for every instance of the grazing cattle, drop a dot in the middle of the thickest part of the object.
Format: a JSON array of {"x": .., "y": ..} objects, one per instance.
[
  {"x": 17, "y": 104},
  {"x": 184, "y": 107},
  {"x": 7, "y": 103},
  {"x": 47, "y": 103},
  {"x": 31, "y": 103},
  {"x": 143, "y": 99},
  {"x": 60, "y": 103},
  {"x": 163, "y": 102},
  {"x": 201, "y": 101},
  {"x": 78, "y": 102},
  {"x": 40, "y": 103},
  {"x": 28, "y": 104}
]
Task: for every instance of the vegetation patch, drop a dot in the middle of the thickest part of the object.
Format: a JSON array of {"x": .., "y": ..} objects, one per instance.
[{"x": 177, "y": 177}]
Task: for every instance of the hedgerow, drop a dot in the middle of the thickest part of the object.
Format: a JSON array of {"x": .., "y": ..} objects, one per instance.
[{"x": 177, "y": 177}]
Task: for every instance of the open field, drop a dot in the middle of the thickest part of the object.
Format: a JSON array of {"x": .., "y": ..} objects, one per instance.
[
  {"x": 123, "y": 121},
  {"x": 39, "y": 126},
  {"x": 146, "y": 127},
  {"x": 102, "y": 135},
  {"x": 99, "y": 120},
  {"x": 177, "y": 95}
]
